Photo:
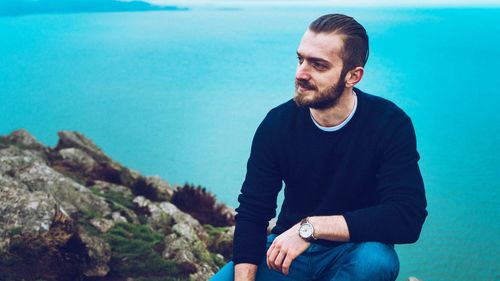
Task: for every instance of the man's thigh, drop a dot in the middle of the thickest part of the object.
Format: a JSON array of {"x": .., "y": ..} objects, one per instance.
[
  {"x": 351, "y": 261},
  {"x": 358, "y": 261}
]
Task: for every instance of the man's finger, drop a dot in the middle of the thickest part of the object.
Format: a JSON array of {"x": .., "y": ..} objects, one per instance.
[
  {"x": 270, "y": 249},
  {"x": 286, "y": 264},
  {"x": 279, "y": 260},
  {"x": 268, "y": 254},
  {"x": 272, "y": 257}
]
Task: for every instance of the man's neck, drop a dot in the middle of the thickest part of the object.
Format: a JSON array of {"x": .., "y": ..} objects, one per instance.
[{"x": 336, "y": 114}]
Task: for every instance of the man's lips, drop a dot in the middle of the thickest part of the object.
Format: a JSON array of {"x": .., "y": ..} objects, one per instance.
[
  {"x": 303, "y": 89},
  {"x": 304, "y": 86}
]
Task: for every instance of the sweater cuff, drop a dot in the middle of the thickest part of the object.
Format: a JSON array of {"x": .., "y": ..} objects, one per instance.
[{"x": 355, "y": 227}]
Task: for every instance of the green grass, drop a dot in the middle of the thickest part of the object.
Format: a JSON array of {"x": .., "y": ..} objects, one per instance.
[
  {"x": 219, "y": 262},
  {"x": 89, "y": 227},
  {"x": 119, "y": 201},
  {"x": 218, "y": 244},
  {"x": 136, "y": 252},
  {"x": 15, "y": 231},
  {"x": 213, "y": 231}
]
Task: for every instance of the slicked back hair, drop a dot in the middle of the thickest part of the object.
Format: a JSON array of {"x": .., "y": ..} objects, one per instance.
[{"x": 355, "y": 50}]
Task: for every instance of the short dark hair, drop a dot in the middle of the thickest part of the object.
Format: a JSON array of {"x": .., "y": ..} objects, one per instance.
[{"x": 355, "y": 50}]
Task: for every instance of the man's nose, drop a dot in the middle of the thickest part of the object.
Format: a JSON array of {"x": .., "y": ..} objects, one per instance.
[{"x": 302, "y": 72}]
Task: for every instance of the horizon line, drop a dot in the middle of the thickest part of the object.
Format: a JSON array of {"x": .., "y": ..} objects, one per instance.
[{"x": 342, "y": 3}]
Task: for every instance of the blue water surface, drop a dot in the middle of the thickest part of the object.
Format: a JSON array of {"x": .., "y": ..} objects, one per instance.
[{"x": 180, "y": 94}]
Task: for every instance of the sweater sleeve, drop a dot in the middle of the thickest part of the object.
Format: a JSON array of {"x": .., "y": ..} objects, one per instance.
[
  {"x": 258, "y": 197},
  {"x": 400, "y": 214}
]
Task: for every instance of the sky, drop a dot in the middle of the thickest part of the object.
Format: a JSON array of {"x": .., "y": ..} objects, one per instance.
[{"x": 350, "y": 3}]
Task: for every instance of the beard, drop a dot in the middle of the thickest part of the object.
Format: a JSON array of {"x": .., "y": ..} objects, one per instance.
[{"x": 318, "y": 99}]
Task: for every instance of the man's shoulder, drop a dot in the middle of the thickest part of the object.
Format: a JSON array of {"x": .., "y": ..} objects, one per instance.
[
  {"x": 282, "y": 113},
  {"x": 379, "y": 107},
  {"x": 287, "y": 107}
]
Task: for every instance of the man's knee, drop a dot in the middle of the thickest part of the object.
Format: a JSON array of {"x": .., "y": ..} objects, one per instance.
[{"x": 375, "y": 261}]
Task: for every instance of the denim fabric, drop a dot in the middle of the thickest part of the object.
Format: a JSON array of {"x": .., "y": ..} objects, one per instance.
[{"x": 350, "y": 261}]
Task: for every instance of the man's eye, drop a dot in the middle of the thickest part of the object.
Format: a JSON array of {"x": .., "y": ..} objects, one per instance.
[
  {"x": 318, "y": 66},
  {"x": 300, "y": 59}
]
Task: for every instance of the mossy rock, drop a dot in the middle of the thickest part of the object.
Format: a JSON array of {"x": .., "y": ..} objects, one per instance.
[
  {"x": 136, "y": 252},
  {"x": 220, "y": 240},
  {"x": 118, "y": 200}
]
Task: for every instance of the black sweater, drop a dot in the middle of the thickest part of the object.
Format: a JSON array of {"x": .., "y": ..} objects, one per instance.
[{"x": 367, "y": 171}]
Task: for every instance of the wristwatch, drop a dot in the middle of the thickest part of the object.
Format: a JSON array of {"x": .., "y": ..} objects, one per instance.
[{"x": 306, "y": 230}]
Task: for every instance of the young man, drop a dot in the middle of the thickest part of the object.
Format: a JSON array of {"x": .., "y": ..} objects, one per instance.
[{"x": 348, "y": 159}]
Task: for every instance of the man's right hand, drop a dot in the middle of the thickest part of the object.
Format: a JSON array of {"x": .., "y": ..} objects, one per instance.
[{"x": 245, "y": 272}]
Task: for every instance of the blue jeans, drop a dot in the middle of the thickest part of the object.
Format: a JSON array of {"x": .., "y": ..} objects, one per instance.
[{"x": 348, "y": 262}]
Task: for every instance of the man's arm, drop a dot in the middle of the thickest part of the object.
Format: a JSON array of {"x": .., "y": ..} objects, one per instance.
[
  {"x": 289, "y": 245},
  {"x": 245, "y": 272},
  {"x": 401, "y": 211},
  {"x": 257, "y": 202}
]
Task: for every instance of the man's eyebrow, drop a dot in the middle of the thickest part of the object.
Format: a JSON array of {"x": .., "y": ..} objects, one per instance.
[{"x": 313, "y": 59}]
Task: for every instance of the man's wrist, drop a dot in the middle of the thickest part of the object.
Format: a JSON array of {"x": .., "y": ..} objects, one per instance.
[{"x": 333, "y": 228}]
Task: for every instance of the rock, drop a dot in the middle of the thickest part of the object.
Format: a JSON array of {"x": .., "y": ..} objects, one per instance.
[
  {"x": 220, "y": 241},
  {"x": 117, "y": 217},
  {"x": 180, "y": 217},
  {"x": 71, "y": 139},
  {"x": 153, "y": 188},
  {"x": 165, "y": 214},
  {"x": 118, "y": 197},
  {"x": 203, "y": 273},
  {"x": 99, "y": 253},
  {"x": 71, "y": 195},
  {"x": 77, "y": 159},
  {"x": 107, "y": 187},
  {"x": 34, "y": 175},
  {"x": 185, "y": 243},
  {"x": 24, "y": 139},
  {"x": 411, "y": 278},
  {"x": 60, "y": 207},
  {"x": 22, "y": 211},
  {"x": 61, "y": 253},
  {"x": 14, "y": 160},
  {"x": 192, "y": 256},
  {"x": 162, "y": 189},
  {"x": 103, "y": 225},
  {"x": 185, "y": 231}
]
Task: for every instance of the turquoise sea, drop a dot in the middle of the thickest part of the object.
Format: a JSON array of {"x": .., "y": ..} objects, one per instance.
[{"x": 180, "y": 94}]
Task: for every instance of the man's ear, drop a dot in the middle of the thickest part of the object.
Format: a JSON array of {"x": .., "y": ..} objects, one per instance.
[{"x": 354, "y": 76}]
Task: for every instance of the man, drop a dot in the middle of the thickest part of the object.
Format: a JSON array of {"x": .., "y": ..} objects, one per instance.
[{"x": 348, "y": 159}]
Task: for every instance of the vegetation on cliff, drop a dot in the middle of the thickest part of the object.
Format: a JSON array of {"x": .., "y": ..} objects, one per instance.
[{"x": 72, "y": 213}]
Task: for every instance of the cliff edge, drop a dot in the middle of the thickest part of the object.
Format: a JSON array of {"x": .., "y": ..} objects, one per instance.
[{"x": 72, "y": 213}]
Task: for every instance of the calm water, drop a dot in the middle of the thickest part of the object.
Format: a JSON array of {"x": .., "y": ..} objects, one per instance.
[{"x": 180, "y": 94}]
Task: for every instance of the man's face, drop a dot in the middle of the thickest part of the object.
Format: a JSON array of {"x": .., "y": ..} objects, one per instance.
[{"x": 317, "y": 81}]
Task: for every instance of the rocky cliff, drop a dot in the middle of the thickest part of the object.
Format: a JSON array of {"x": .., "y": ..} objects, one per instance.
[{"x": 72, "y": 213}]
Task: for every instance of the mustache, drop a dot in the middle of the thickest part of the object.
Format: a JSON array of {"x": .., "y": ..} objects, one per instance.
[{"x": 304, "y": 84}]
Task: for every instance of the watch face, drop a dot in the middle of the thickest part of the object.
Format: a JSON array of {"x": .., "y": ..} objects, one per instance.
[{"x": 306, "y": 230}]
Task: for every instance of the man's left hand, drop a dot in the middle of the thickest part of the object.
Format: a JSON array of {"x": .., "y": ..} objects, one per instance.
[{"x": 285, "y": 248}]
